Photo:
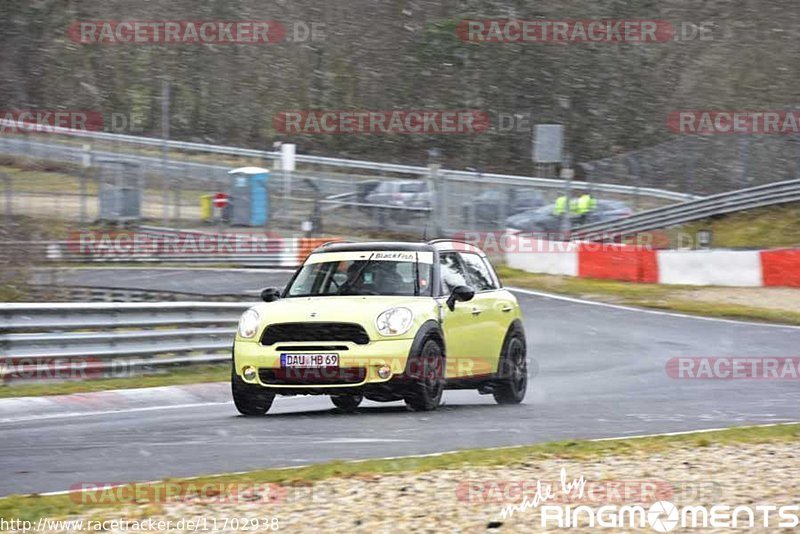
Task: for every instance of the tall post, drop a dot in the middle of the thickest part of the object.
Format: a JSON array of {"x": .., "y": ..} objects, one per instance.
[
  {"x": 287, "y": 168},
  {"x": 165, "y": 150},
  {"x": 436, "y": 185},
  {"x": 567, "y": 174},
  {"x": 633, "y": 164},
  {"x": 744, "y": 158},
  {"x": 7, "y": 183},
  {"x": 87, "y": 164},
  {"x": 277, "y": 170}
]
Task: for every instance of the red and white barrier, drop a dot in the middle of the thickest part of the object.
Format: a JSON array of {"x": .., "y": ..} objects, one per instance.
[
  {"x": 744, "y": 268},
  {"x": 710, "y": 267}
]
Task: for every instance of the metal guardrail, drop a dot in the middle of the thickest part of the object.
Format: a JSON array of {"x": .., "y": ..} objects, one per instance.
[
  {"x": 75, "y": 252},
  {"x": 46, "y": 317},
  {"x": 743, "y": 199},
  {"x": 43, "y": 292},
  {"x": 53, "y": 336},
  {"x": 450, "y": 175}
]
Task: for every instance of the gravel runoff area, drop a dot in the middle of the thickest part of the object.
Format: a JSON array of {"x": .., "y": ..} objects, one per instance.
[
  {"x": 470, "y": 499},
  {"x": 773, "y": 298}
]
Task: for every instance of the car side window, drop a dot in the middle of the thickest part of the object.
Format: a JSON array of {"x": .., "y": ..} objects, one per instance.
[
  {"x": 478, "y": 273},
  {"x": 451, "y": 272}
]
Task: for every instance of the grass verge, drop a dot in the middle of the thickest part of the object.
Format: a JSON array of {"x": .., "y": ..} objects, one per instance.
[
  {"x": 178, "y": 376},
  {"x": 774, "y": 226},
  {"x": 657, "y": 296},
  {"x": 33, "y": 507}
]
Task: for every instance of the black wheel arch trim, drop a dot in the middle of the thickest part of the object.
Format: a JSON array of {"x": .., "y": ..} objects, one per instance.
[
  {"x": 514, "y": 328},
  {"x": 429, "y": 329}
]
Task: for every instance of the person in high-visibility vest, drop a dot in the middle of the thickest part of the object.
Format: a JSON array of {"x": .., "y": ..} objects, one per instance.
[
  {"x": 583, "y": 205},
  {"x": 560, "y": 205}
]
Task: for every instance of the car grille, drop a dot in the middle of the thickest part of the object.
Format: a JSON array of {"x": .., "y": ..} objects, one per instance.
[
  {"x": 293, "y": 332},
  {"x": 313, "y": 377}
]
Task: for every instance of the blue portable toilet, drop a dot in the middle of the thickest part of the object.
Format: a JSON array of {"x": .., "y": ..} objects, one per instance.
[{"x": 249, "y": 198}]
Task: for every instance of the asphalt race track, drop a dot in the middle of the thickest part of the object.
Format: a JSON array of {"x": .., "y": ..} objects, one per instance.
[{"x": 601, "y": 373}]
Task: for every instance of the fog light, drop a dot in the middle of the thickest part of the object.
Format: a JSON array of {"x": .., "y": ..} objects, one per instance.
[
  {"x": 385, "y": 371},
  {"x": 249, "y": 373}
]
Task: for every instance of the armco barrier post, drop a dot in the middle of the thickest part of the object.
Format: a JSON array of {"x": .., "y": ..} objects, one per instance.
[{"x": 8, "y": 193}]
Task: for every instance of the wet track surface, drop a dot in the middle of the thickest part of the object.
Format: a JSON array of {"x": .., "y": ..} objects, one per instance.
[{"x": 601, "y": 373}]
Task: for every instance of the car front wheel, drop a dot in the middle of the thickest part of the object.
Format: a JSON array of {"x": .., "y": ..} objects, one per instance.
[
  {"x": 427, "y": 378},
  {"x": 513, "y": 380},
  {"x": 250, "y": 399}
]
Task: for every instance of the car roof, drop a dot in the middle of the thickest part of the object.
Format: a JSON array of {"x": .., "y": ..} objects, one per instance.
[
  {"x": 375, "y": 245},
  {"x": 455, "y": 244},
  {"x": 430, "y": 246}
]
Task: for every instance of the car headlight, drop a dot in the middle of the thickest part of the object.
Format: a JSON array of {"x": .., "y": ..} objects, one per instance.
[
  {"x": 248, "y": 323},
  {"x": 394, "y": 321}
]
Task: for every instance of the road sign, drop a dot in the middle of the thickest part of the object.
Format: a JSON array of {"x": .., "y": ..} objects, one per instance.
[
  {"x": 548, "y": 143},
  {"x": 221, "y": 200},
  {"x": 287, "y": 157}
]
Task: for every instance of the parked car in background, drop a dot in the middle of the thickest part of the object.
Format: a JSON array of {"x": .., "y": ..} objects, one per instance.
[
  {"x": 401, "y": 193},
  {"x": 544, "y": 220},
  {"x": 489, "y": 207}
]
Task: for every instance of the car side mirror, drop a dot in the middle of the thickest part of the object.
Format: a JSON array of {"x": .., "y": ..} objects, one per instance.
[
  {"x": 459, "y": 294},
  {"x": 270, "y": 294}
]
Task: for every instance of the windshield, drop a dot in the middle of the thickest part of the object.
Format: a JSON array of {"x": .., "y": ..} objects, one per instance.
[{"x": 361, "y": 277}]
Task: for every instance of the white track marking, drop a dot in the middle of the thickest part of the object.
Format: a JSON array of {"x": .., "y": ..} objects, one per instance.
[
  {"x": 109, "y": 412},
  {"x": 645, "y": 310},
  {"x": 124, "y": 411}
]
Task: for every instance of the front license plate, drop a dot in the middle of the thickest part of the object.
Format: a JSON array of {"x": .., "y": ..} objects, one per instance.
[{"x": 309, "y": 361}]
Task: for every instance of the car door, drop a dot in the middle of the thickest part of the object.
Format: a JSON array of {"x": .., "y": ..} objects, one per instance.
[
  {"x": 458, "y": 325},
  {"x": 492, "y": 309}
]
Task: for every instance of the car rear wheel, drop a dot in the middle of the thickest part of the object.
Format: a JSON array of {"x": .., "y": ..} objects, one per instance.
[
  {"x": 347, "y": 403},
  {"x": 513, "y": 381},
  {"x": 427, "y": 378},
  {"x": 250, "y": 399}
]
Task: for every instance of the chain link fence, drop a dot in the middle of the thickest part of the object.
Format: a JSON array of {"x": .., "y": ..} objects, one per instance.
[{"x": 76, "y": 180}]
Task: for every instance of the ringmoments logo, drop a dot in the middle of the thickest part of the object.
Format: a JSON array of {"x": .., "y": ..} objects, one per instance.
[
  {"x": 664, "y": 516},
  {"x": 660, "y": 516}
]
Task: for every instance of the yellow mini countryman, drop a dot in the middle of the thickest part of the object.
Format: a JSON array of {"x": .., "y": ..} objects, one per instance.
[{"x": 386, "y": 322}]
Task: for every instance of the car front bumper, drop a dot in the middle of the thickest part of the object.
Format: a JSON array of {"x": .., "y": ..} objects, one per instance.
[{"x": 358, "y": 366}]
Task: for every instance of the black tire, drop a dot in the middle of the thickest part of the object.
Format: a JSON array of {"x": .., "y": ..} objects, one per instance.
[
  {"x": 512, "y": 383},
  {"x": 347, "y": 403},
  {"x": 426, "y": 375},
  {"x": 250, "y": 399}
]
